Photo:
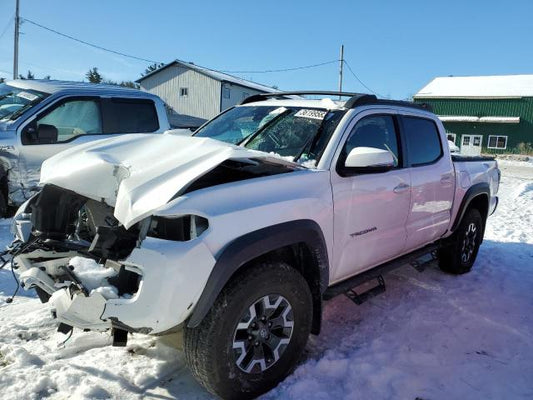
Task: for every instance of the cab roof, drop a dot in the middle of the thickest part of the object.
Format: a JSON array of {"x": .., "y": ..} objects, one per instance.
[{"x": 54, "y": 86}]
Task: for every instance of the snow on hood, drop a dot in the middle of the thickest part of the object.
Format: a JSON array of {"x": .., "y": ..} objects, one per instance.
[{"x": 137, "y": 174}]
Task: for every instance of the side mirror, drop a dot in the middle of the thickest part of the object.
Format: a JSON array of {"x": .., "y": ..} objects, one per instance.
[
  {"x": 43, "y": 134},
  {"x": 370, "y": 158}
]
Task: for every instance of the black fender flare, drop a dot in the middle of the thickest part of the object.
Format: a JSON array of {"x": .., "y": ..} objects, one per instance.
[
  {"x": 254, "y": 244},
  {"x": 474, "y": 191}
]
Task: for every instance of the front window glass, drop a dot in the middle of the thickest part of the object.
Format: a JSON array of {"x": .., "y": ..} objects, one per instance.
[
  {"x": 73, "y": 118},
  {"x": 375, "y": 131},
  {"x": 14, "y": 101},
  {"x": 295, "y": 133}
]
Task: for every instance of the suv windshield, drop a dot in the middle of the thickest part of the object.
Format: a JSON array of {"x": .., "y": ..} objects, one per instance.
[
  {"x": 14, "y": 101},
  {"x": 294, "y": 133}
]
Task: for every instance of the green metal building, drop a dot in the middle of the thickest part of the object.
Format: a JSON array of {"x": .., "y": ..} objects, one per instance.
[{"x": 489, "y": 114}]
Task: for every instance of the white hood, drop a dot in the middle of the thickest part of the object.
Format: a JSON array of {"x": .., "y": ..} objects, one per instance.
[{"x": 137, "y": 174}]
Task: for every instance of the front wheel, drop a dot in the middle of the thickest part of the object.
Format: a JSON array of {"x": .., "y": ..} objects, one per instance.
[
  {"x": 254, "y": 334},
  {"x": 459, "y": 255}
]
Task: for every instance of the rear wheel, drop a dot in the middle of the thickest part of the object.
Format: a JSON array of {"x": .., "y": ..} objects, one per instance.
[
  {"x": 458, "y": 256},
  {"x": 254, "y": 334}
]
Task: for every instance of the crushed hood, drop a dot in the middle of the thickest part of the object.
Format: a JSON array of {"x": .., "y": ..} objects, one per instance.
[{"x": 137, "y": 174}]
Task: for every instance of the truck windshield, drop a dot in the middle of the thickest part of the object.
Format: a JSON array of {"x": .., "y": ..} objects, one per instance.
[
  {"x": 294, "y": 133},
  {"x": 14, "y": 101}
]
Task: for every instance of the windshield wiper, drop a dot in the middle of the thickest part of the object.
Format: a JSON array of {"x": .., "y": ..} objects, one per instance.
[{"x": 21, "y": 110}]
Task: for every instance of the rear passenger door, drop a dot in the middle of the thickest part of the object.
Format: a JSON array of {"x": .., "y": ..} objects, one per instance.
[{"x": 432, "y": 181}]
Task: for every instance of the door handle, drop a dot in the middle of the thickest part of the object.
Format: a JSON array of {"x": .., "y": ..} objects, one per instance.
[{"x": 402, "y": 187}]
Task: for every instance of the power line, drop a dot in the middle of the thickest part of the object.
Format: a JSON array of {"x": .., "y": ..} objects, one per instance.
[
  {"x": 7, "y": 26},
  {"x": 87, "y": 43},
  {"x": 281, "y": 70},
  {"x": 359, "y": 80}
]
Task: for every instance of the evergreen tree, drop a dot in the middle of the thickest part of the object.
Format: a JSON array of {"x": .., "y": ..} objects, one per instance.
[
  {"x": 29, "y": 75},
  {"x": 151, "y": 68},
  {"x": 94, "y": 76}
]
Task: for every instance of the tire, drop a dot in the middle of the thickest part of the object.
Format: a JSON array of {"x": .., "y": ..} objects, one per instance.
[
  {"x": 236, "y": 355},
  {"x": 458, "y": 256},
  {"x": 3, "y": 206}
]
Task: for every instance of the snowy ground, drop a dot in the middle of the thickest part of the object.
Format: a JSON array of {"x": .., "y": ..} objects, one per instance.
[{"x": 430, "y": 336}]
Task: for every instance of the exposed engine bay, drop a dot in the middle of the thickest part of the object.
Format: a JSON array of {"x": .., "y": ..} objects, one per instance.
[{"x": 70, "y": 246}]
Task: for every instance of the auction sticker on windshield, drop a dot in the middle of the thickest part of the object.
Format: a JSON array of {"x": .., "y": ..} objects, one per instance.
[
  {"x": 27, "y": 96},
  {"x": 313, "y": 114}
]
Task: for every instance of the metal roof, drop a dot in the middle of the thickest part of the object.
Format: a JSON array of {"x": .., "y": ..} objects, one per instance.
[
  {"x": 217, "y": 75},
  {"x": 52, "y": 86},
  {"x": 495, "y": 86}
]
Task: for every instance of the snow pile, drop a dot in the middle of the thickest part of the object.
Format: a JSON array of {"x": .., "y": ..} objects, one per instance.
[
  {"x": 429, "y": 336},
  {"x": 94, "y": 276}
]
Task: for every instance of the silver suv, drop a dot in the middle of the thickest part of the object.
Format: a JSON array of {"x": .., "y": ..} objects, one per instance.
[{"x": 40, "y": 118}]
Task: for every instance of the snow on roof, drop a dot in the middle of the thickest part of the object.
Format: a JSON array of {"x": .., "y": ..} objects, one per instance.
[
  {"x": 478, "y": 87},
  {"x": 219, "y": 76},
  {"x": 467, "y": 118},
  {"x": 52, "y": 86}
]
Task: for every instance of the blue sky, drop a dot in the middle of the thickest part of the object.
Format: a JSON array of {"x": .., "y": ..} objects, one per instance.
[{"x": 395, "y": 47}]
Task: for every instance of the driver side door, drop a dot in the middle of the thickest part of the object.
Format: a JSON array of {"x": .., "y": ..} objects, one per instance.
[{"x": 370, "y": 208}]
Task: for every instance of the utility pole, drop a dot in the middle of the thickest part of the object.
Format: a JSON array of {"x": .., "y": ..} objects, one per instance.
[
  {"x": 16, "y": 48},
  {"x": 341, "y": 64}
]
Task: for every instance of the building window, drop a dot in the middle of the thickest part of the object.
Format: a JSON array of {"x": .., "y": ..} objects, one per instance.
[
  {"x": 497, "y": 142},
  {"x": 184, "y": 92},
  {"x": 451, "y": 137},
  {"x": 466, "y": 140},
  {"x": 226, "y": 92},
  {"x": 477, "y": 140}
]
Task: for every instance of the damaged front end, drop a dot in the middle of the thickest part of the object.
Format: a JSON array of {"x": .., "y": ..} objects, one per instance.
[{"x": 94, "y": 272}]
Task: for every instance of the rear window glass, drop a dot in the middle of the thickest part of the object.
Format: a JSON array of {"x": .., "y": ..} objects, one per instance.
[
  {"x": 423, "y": 141},
  {"x": 131, "y": 116}
]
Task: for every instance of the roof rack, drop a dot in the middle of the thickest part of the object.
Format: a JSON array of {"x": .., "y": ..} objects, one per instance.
[{"x": 355, "y": 99}]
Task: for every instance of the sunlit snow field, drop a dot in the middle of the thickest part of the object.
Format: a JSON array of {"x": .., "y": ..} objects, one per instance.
[{"x": 429, "y": 336}]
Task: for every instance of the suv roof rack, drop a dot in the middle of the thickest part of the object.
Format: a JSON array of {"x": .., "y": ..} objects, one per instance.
[{"x": 355, "y": 99}]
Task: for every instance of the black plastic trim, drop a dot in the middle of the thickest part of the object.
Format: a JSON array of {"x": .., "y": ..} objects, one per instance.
[
  {"x": 373, "y": 273},
  {"x": 254, "y": 244},
  {"x": 475, "y": 190},
  {"x": 460, "y": 158}
]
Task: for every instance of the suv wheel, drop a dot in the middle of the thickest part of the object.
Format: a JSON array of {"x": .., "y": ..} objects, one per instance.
[
  {"x": 459, "y": 255},
  {"x": 254, "y": 334}
]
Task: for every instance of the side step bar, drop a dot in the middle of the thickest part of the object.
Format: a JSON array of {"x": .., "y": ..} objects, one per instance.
[
  {"x": 419, "y": 259},
  {"x": 368, "y": 294}
]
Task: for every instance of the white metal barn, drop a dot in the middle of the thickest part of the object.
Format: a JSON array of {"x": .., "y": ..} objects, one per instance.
[{"x": 197, "y": 91}]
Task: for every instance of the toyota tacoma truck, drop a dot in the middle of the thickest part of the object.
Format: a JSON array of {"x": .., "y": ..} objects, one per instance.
[
  {"x": 40, "y": 118},
  {"x": 235, "y": 236}
]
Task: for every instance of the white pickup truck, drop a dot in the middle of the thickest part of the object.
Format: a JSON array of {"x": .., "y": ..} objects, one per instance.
[{"x": 236, "y": 235}]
